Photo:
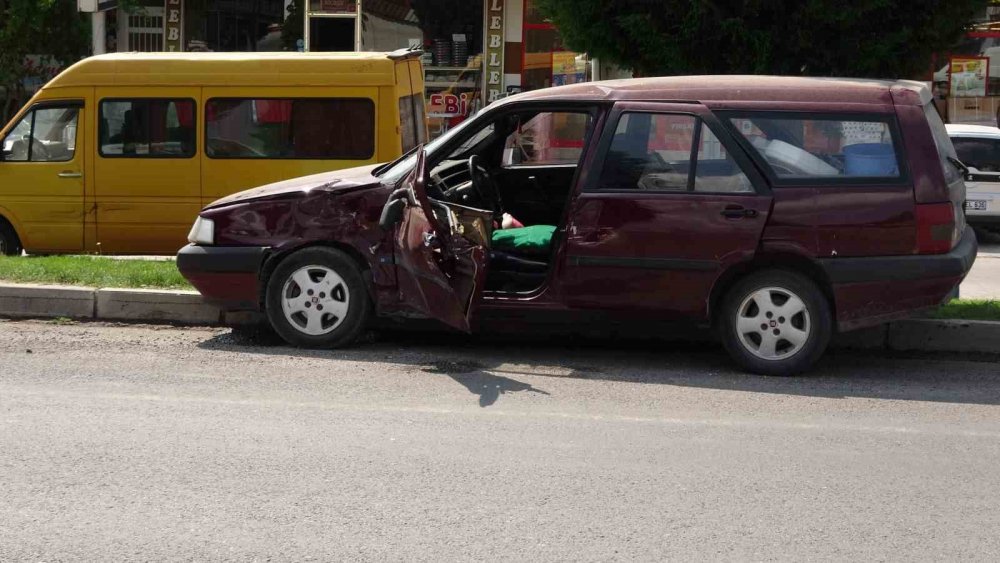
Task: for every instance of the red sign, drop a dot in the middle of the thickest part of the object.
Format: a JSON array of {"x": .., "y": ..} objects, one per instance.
[{"x": 336, "y": 6}]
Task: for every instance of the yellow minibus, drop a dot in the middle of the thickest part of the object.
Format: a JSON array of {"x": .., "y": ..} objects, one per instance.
[{"x": 118, "y": 153}]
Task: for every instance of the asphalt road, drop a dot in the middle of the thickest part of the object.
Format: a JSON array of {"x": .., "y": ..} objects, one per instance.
[{"x": 139, "y": 443}]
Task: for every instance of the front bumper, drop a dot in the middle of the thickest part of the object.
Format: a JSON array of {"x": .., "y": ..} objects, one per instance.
[{"x": 226, "y": 276}]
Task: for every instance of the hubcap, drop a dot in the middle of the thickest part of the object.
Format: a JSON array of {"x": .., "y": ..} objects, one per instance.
[
  {"x": 773, "y": 323},
  {"x": 315, "y": 300}
]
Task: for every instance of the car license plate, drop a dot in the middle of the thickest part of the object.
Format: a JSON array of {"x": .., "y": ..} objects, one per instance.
[{"x": 977, "y": 205}]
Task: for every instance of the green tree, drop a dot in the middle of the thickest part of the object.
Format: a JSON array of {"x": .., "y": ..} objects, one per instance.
[
  {"x": 863, "y": 38},
  {"x": 52, "y": 29}
]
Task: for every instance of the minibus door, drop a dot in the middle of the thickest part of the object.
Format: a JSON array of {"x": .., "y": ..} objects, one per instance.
[{"x": 42, "y": 175}]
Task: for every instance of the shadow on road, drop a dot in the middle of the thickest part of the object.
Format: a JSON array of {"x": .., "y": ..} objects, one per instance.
[
  {"x": 488, "y": 386},
  {"x": 490, "y": 366}
]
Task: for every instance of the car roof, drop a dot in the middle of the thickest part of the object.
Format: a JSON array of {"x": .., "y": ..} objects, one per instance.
[
  {"x": 231, "y": 69},
  {"x": 738, "y": 88},
  {"x": 964, "y": 130}
]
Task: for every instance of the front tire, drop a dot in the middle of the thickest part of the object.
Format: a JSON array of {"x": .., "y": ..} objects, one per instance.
[
  {"x": 316, "y": 298},
  {"x": 775, "y": 322}
]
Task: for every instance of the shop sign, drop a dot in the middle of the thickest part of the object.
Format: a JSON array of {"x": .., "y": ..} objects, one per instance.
[
  {"x": 334, "y": 6},
  {"x": 568, "y": 68},
  {"x": 450, "y": 105},
  {"x": 494, "y": 25},
  {"x": 969, "y": 76},
  {"x": 173, "y": 23}
]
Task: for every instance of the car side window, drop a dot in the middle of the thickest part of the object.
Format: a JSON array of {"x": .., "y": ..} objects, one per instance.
[
  {"x": 547, "y": 139},
  {"x": 43, "y": 135},
  {"x": 981, "y": 154},
  {"x": 797, "y": 147},
  {"x": 663, "y": 152}
]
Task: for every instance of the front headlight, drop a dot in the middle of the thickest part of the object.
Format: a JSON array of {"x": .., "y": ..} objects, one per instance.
[{"x": 203, "y": 231}]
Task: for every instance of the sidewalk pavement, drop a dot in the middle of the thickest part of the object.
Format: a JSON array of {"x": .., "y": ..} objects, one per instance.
[{"x": 983, "y": 282}]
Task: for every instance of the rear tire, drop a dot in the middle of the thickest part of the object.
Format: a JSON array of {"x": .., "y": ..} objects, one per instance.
[
  {"x": 775, "y": 322},
  {"x": 317, "y": 298},
  {"x": 10, "y": 244}
]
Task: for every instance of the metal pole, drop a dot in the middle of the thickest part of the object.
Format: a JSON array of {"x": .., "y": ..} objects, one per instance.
[
  {"x": 305, "y": 29},
  {"x": 98, "y": 29},
  {"x": 357, "y": 27}
]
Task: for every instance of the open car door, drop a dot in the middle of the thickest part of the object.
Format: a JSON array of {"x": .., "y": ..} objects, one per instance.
[{"x": 441, "y": 252}]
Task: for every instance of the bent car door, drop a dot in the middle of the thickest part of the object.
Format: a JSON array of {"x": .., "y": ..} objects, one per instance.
[{"x": 441, "y": 253}]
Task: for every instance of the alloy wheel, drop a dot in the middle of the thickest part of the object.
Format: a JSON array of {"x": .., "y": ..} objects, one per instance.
[
  {"x": 773, "y": 323},
  {"x": 315, "y": 300}
]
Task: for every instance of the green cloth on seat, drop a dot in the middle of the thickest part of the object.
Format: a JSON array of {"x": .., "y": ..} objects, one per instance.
[{"x": 536, "y": 239}]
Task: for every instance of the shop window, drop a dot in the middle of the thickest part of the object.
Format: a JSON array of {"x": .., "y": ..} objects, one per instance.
[
  {"x": 821, "y": 147},
  {"x": 451, "y": 34},
  {"x": 43, "y": 135},
  {"x": 546, "y": 60},
  {"x": 547, "y": 139},
  {"x": 304, "y": 128},
  {"x": 147, "y": 128}
]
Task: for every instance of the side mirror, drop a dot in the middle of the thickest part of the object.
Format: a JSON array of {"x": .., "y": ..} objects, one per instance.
[{"x": 392, "y": 213}]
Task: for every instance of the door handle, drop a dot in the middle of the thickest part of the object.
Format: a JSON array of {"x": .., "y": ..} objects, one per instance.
[
  {"x": 738, "y": 212},
  {"x": 69, "y": 174}
]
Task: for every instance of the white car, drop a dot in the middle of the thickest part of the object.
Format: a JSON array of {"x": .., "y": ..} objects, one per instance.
[{"x": 978, "y": 147}]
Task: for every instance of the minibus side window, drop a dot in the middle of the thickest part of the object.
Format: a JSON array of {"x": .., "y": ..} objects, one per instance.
[
  {"x": 146, "y": 128},
  {"x": 43, "y": 135},
  {"x": 282, "y": 128}
]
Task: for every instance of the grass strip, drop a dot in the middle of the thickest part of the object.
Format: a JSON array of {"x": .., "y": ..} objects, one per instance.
[
  {"x": 92, "y": 271},
  {"x": 968, "y": 310}
]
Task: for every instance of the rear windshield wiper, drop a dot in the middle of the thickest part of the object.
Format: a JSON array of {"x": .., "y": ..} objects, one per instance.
[{"x": 958, "y": 164}]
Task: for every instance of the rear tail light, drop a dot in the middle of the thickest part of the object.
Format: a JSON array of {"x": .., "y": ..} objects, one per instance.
[{"x": 937, "y": 231}]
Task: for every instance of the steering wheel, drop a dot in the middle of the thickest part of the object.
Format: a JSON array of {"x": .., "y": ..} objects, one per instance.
[
  {"x": 483, "y": 182},
  {"x": 39, "y": 151}
]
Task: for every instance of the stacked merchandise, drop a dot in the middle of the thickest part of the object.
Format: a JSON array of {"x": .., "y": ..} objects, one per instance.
[
  {"x": 460, "y": 52},
  {"x": 442, "y": 52}
]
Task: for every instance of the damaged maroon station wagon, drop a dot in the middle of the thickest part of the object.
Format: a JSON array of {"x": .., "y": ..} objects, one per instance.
[{"x": 776, "y": 210}]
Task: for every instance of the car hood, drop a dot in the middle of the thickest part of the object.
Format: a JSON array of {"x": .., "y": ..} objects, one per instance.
[{"x": 337, "y": 181}]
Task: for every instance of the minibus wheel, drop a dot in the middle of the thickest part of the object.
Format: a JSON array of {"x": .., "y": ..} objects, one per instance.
[
  {"x": 316, "y": 298},
  {"x": 775, "y": 322},
  {"x": 10, "y": 245}
]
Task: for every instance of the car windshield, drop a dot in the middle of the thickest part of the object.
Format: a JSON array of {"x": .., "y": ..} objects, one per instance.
[{"x": 396, "y": 172}]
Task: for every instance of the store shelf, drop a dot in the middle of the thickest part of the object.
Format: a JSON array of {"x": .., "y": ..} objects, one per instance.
[
  {"x": 452, "y": 68},
  {"x": 466, "y": 85}
]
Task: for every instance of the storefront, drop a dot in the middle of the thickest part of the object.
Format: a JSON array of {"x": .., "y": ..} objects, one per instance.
[
  {"x": 475, "y": 51},
  {"x": 967, "y": 79}
]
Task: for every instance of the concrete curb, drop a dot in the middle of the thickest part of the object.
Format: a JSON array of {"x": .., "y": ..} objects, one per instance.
[
  {"x": 925, "y": 335},
  {"x": 147, "y": 305},
  {"x": 47, "y": 301},
  {"x": 187, "y": 307}
]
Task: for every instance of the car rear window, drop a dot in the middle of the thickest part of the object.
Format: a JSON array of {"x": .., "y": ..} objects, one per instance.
[
  {"x": 981, "y": 154},
  {"x": 945, "y": 148},
  {"x": 816, "y": 146}
]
